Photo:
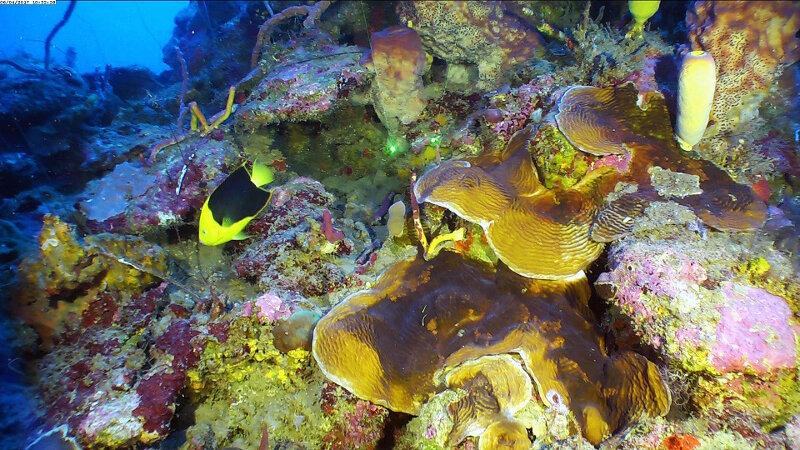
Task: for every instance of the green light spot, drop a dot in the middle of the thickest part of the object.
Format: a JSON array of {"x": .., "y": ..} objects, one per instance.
[{"x": 392, "y": 149}]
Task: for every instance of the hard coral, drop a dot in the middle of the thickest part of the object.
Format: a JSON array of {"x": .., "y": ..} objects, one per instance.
[
  {"x": 67, "y": 274},
  {"x": 751, "y": 43},
  {"x": 606, "y": 121},
  {"x": 479, "y": 33},
  {"x": 535, "y": 231},
  {"x": 452, "y": 311}
]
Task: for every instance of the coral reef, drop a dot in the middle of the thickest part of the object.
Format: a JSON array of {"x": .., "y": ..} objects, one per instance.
[
  {"x": 462, "y": 310},
  {"x": 502, "y": 193},
  {"x": 702, "y": 301},
  {"x": 751, "y": 43},
  {"x": 66, "y": 275},
  {"x": 478, "y": 33},
  {"x": 286, "y": 92},
  {"x": 296, "y": 257},
  {"x": 164, "y": 195}
]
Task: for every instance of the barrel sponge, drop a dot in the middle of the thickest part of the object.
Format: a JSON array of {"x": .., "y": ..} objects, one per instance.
[
  {"x": 389, "y": 344},
  {"x": 695, "y": 95},
  {"x": 751, "y": 42},
  {"x": 399, "y": 62}
]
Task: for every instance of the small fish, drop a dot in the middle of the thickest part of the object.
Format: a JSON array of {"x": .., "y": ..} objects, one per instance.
[{"x": 233, "y": 204}]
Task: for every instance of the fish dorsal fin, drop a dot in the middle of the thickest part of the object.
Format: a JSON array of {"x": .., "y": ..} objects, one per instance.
[{"x": 261, "y": 175}]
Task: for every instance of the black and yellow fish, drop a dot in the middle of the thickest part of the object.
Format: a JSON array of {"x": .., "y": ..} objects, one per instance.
[{"x": 233, "y": 204}]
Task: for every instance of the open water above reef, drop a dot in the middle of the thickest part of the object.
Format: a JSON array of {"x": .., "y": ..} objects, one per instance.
[{"x": 414, "y": 225}]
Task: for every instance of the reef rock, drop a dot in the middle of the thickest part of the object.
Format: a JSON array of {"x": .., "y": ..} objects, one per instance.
[
  {"x": 481, "y": 34},
  {"x": 709, "y": 307}
]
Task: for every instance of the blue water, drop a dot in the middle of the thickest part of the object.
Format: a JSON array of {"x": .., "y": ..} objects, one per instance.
[{"x": 118, "y": 33}]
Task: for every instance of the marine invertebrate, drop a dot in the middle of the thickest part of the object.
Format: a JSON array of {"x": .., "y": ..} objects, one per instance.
[
  {"x": 66, "y": 274},
  {"x": 312, "y": 13},
  {"x": 641, "y": 11},
  {"x": 695, "y": 95},
  {"x": 479, "y": 33},
  {"x": 535, "y": 231},
  {"x": 454, "y": 311},
  {"x": 399, "y": 63},
  {"x": 605, "y": 121},
  {"x": 197, "y": 116},
  {"x": 396, "y": 221},
  {"x": 751, "y": 43}
]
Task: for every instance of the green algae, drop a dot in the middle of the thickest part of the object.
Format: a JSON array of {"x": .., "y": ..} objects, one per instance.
[{"x": 559, "y": 162}]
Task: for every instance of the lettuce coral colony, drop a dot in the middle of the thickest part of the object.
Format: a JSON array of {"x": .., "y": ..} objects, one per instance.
[{"x": 451, "y": 311}]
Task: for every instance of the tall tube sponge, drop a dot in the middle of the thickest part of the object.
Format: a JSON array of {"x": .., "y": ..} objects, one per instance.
[{"x": 696, "y": 84}]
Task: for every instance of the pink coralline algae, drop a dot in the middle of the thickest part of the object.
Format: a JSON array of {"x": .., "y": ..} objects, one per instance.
[
  {"x": 511, "y": 112},
  {"x": 303, "y": 90},
  {"x": 269, "y": 307},
  {"x": 755, "y": 332}
]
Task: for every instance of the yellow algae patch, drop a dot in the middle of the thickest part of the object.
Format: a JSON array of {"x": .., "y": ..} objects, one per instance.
[
  {"x": 537, "y": 232},
  {"x": 378, "y": 345}
]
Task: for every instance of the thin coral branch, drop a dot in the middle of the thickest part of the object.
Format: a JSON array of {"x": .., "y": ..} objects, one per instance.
[
  {"x": 423, "y": 240},
  {"x": 53, "y": 32},
  {"x": 141, "y": 268},
  {"x": 313, "y": 13}
]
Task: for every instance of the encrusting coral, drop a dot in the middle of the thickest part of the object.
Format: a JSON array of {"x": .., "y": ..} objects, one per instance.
[
  {"x": 537, "y": 232},
  {"x": 451, "y": 311},
  {"x": 587, "y": 116},
  {"x": 67, "y": 274},
  {"x": 479, "y": 33},
  {"x": 751, "y": 43}
]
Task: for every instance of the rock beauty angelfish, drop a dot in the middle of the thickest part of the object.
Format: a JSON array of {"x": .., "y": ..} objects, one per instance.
[{"x": 233, "y": 204}]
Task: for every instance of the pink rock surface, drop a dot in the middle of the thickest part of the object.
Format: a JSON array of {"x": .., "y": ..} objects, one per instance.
[
  {"x": 756, "y": 332},
  {"x": 269, "y": 306}
]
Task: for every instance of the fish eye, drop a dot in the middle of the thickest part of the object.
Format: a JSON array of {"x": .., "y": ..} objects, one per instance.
[{"x": 205, "y": 232}]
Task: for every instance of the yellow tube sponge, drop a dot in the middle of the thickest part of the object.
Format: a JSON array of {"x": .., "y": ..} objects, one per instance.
[
  {"x": 696, "y": 85},
  {"x": 642, "y": 11}
]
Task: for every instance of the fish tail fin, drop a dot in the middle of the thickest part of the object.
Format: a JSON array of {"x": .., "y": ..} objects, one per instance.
[{"x": 261, "y": 175}]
